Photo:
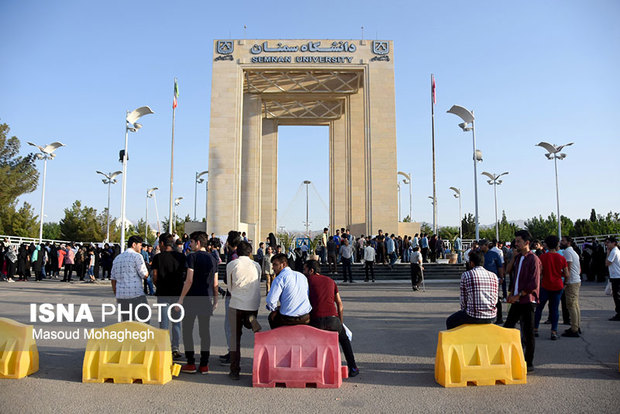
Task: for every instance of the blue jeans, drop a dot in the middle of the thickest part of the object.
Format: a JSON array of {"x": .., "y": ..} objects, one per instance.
[
  {"x": 393, "y": 258},
  {"x": 149, "y": 283},
  {"x": 175, "y": 339},
  {"x": 91, "y": 271},
  {"x": 324, "y": 255},
  {"x": 553, "y": 296}
]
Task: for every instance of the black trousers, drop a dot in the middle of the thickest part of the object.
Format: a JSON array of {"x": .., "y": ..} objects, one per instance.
[
  {"x": 416, "y": 275},
  {"x": 369, "y": 265},
  {"x": 346, "y": 269},
  {"x": 333, "y": 323},
  {"x": 331, "y": 258},
  {"x": 424, "y": 254},
  {"x": 276, "y": 319},
  {"x": 238, "y": 319},
  {"x": 68, "y": 271},
  {"x": 126, "y": 304},
  {"x": 525, "y": 314},
  {"x": 615, "y": 292},
  {"x": 201, "y": 308},
  {"x": 461, "y": 318}
]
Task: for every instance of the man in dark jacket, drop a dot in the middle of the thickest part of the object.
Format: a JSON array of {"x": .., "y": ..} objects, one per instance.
[{"x": 523, "y": 292}]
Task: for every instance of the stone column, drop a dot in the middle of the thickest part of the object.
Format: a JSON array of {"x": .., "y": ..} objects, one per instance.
[
  {"x": 251, "y": 150},
  {"x": 269, "y": 177},
  {"x": 225, "y": 147},
  {"x": 339, "y": 162}
]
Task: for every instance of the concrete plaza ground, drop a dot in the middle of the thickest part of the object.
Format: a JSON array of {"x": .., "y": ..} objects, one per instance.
[{"x": 394, "y": 340}]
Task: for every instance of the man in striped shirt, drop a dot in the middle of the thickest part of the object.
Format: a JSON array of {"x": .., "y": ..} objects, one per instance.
[{"x": 478, "y": 294}]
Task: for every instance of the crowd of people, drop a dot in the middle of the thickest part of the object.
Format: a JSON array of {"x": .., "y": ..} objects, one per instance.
[
  {"x": 528, "y": 274},
  {"x": 539, "y": 274},
  {"x": 190, "y": 278}
]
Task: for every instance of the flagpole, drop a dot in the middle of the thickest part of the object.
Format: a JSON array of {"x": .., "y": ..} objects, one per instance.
[
  {"x": 433, "y": 143},
  {"x": 174, "y": 108}
]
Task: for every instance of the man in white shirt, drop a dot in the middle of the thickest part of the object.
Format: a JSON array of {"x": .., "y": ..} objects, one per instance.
[
  {"x": 243, "y": 282},
  {"x": 128, "y": 273},
  {"x": 613, "y": 263},
  {"x": 346, "y": 253},
  {"x": 416, "y": 268},
  {"x": 369, "y": 260},
  {"x": 472, "y": 247},
  {"x": 571, "y": 287}
]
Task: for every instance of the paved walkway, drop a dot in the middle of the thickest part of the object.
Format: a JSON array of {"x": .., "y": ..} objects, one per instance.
[{"x": 394, "y": 339}]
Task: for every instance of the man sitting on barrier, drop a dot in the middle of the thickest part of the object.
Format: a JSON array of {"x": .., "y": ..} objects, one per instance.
[
  {"x": 290, "y": 288},
  {"x": 478, "y": 295},
  {"x": 243, "y": 282},
  {"x": 327, "y": 309}
]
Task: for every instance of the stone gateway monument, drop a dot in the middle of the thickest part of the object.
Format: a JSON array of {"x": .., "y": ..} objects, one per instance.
[{"x": 258, "y": 85}]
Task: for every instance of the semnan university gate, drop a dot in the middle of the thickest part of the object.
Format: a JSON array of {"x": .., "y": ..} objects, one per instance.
[{"x": 258, "y": 85}]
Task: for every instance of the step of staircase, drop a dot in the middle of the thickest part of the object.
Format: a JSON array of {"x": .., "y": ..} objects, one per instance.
[{"x": 401, "y": 271}]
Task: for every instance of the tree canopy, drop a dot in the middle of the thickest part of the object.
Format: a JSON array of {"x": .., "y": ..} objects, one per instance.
[{"x": 18, "y": 175}]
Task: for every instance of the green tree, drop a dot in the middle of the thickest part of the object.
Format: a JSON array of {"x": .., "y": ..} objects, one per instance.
[
  {"x": 115, "y": 231},
  {"x": 469, "y": 226},
  {"x": 18, "y": 175},
  {"x": 80, "y": 224},
  {"x": 22, "y": 223},
  {"x": 140, "y": 228},
  {"x": 541, "y": 228},
  {"x": 407, "y": 219},
  {"x": 179, "y": 225},
  {"x": 51, "y": 231},
  {"x": 448, "y": 232},
  {"x": 426, "y": 228}
]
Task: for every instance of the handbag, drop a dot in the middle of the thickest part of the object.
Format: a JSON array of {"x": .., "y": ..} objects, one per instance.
[{"x": 608, "y": 289}]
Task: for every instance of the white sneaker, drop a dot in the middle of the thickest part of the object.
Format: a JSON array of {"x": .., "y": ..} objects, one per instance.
[{"x": 11, "y": 281}]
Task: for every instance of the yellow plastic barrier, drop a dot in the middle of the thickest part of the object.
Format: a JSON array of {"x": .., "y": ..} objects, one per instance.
[
  {"x": 479, "y": 355},
  {"x": 143, "y": 355},
  {"x": 19, "y": 356}
]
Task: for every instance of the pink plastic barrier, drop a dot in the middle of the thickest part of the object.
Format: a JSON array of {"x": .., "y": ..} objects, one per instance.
[{"x": 297, "y": 356}]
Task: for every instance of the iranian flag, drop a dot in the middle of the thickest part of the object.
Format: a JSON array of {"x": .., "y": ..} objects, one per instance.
[
  {"x": 433, "y": 92},
  {"x": 176, "y": 94}
]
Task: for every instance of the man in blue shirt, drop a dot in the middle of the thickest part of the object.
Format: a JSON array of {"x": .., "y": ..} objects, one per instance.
[
  {"x": 424, "y": 248},
  {"x": 290, "y": 288},
  {"x": 494, "y": 264},
  {"x": 390, "y": 247}
]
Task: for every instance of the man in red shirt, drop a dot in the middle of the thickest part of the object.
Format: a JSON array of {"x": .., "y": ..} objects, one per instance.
[
  {"x": 327, "y": 309},
  {"x": 554, "y": 268}
]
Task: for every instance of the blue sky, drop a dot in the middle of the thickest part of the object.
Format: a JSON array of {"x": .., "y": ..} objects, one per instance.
[{"x": 530, "y": 70}]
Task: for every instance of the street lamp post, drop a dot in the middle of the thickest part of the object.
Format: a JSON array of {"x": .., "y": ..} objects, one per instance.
[
  {"x": 398, "y": 191},
  {"x": 46, "y": 153},
  {"x": 457, "y": 194},
  {"x": 177, "y": 201},
  {"x": 149, "y": 194},
  {"x": 468, "y": 118},
  {"x": 495, "y": 181},
  {"x": 109, "y": 179},
  {"x": 307, "y": 183},
  {"x": 554, "y": 153},
  {"x": 433, "y": 203},
  {"x": 407, "y": 180},
  {"x": 131, "y": 124},
  {"x": 197, "y": 181}
]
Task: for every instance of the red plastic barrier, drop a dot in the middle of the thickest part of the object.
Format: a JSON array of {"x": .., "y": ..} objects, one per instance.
[{"x": 297, "y": 356}]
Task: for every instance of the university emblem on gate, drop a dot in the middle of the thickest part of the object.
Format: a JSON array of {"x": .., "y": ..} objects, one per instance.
[
  {"x": 225, "y": 48},
  {"x": 381, "y": 48}
]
